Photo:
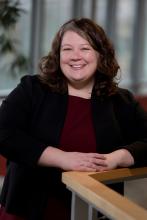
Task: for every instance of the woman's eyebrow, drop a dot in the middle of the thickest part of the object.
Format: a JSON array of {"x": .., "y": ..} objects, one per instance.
[
  {"x": 85, "y": 44},
  {"x": 62, "y": 45}
]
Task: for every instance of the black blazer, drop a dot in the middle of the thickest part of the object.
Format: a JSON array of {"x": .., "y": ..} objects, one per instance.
[{"x": 32, "y": 117}]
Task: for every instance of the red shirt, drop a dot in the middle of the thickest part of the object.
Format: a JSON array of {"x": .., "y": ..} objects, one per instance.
[
  {"x": 78, "y": 132},
  {"x": 77, "y": 135}
]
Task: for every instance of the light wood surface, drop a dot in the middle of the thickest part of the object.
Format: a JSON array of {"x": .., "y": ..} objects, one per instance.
[
  {"x": 90, "y": 187},
  {"x": 119, "y": 175}
]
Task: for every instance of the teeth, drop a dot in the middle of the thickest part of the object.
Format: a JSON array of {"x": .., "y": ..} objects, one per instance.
[{"x": 76, "y": 66}]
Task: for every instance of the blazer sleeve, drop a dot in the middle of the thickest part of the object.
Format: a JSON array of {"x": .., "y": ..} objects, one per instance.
[
  {"x": 16, "y": 143},
  {"x": 135, "y": 120}
]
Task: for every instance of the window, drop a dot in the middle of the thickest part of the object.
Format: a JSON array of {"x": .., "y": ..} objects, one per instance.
[
  {"x": 125, "y": 22},
  {"x": 124, "y": 42},
  {"x": 55, "y": 13},
  {"x": 20, "y": 35}
]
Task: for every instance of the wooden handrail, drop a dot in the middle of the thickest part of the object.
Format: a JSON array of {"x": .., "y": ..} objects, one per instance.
[
  {"x": 90, "y": 187},
  {"x": 119, "y": 175}
]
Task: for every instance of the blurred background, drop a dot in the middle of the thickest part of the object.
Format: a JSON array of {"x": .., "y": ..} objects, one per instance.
[{"x": 27, "y": 28}]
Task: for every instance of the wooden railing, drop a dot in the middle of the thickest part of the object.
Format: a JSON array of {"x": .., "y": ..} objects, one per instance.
[{"x": 90, "y": 194}]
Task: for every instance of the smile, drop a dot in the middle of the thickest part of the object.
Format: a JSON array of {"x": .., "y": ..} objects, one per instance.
[{"x": 79, "y": 66}]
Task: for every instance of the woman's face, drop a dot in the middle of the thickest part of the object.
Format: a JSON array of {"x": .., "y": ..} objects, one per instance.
[{"x": 78, "y": 60}]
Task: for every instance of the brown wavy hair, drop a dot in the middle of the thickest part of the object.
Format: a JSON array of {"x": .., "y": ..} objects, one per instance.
[{"x": 105, "y": 76}]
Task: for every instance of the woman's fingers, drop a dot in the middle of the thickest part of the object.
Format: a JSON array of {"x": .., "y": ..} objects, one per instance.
[
  {"x": 95, "y": 160},
  {"x": 97, "y": 155},
  {"x": 92, "y": 164},
  {"x": 83, "y": 161},
  {"x": 98, "y": 161}
]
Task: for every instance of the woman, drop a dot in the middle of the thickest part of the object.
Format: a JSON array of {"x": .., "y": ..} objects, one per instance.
[{"x": 72, "y": 116}]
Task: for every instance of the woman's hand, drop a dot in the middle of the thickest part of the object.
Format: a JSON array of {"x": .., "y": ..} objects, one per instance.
[
  {"x": 118, "y": 158},
  {"x": 97, "y": 162},
  {"x": 91, "y": 162},
  {"x": 82, "y": 161},
  {"x": 55, "y": 157}
]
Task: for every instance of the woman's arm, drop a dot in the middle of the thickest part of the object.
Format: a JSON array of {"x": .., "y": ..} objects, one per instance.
[
  {"x": 16, "y": 143},
  {"x": 118, "y": 158},
  {"x": 71, "y": 160},
  {"x": 85, "y": 161},
  {"x": 132, "y": 119}
]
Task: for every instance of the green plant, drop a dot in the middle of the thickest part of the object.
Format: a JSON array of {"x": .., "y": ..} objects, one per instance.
[{"x": 10, "y": 12}]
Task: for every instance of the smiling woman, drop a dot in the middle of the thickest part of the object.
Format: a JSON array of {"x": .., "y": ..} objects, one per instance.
[
  {"x": 72, "y": 116},
  {"x": 79, "y": 62},
  {"x": 88, "y": 41}
]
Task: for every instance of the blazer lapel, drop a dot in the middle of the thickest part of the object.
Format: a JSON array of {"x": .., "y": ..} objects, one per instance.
[{"x": 108, "y": 132}]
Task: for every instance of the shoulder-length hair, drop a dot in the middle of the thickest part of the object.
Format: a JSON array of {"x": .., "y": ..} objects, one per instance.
[{"x": 105, "y": 76}]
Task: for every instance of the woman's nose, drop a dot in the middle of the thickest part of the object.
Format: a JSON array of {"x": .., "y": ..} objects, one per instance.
[{"x": 76, "y": 54}]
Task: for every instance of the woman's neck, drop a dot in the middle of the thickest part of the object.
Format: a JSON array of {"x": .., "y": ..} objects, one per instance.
[{"x": 80, "y": 91}]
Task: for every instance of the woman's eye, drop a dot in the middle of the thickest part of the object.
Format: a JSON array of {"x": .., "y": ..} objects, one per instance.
[
  {"x": 64, "y": 49},
  {"x": 85, "y": 48}
]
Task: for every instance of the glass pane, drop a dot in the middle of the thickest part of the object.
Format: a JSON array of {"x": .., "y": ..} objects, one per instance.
[
  {"x": 101, "y": 12},
  {"x": 86, "y": 9},
  {"x": 19, "y": 35},
  {"x": 55, "y": 14},
  {"x": 144, "y": 78},
  {"x": 125, "y": 24}
]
